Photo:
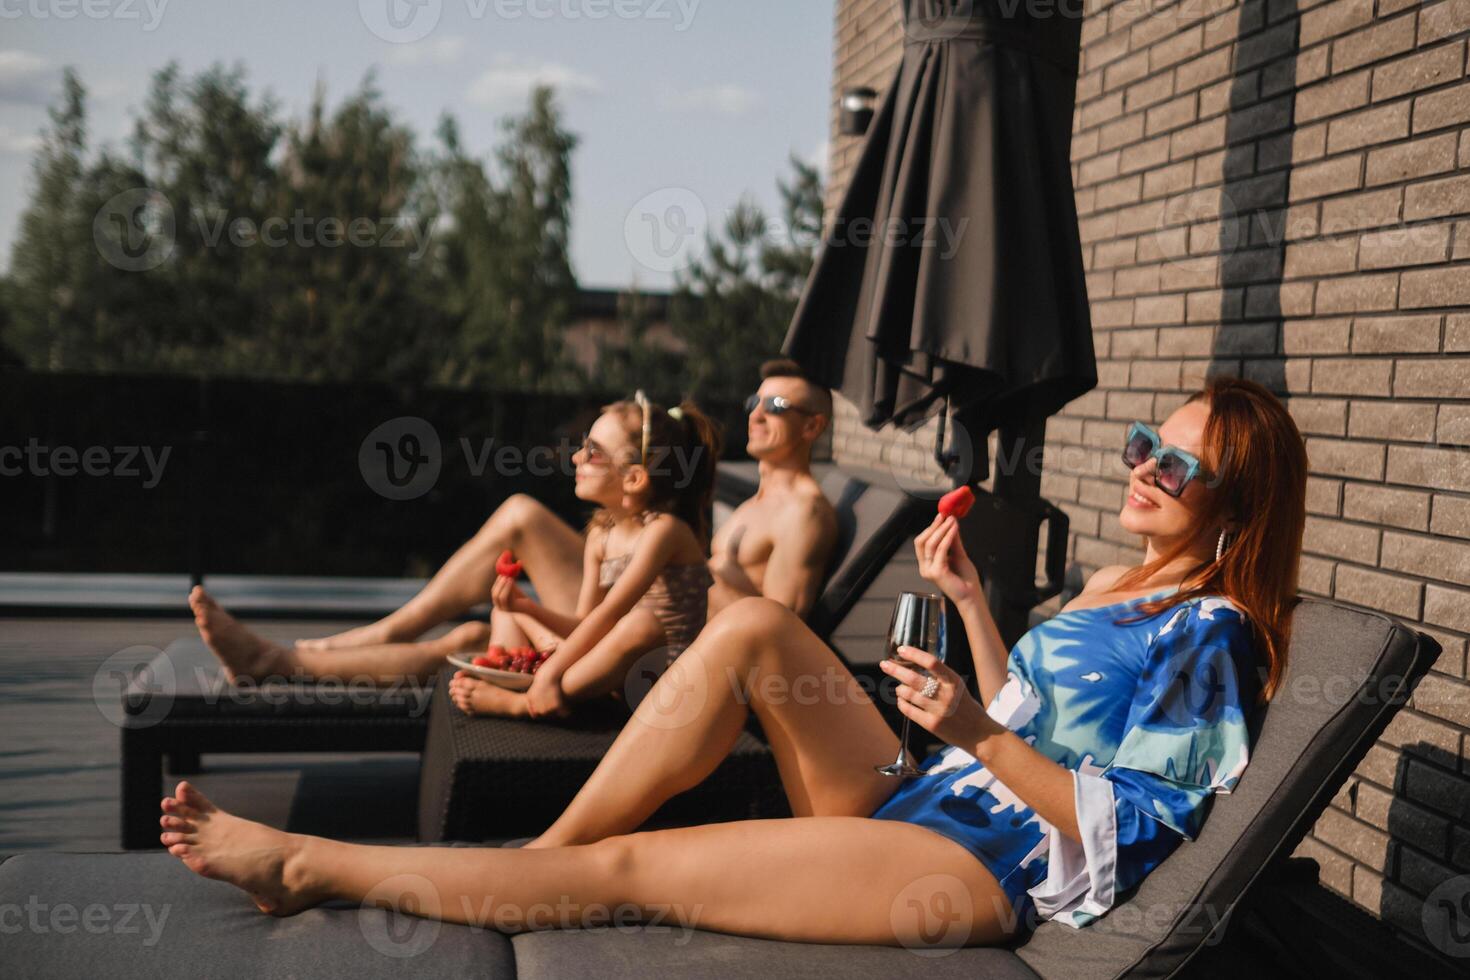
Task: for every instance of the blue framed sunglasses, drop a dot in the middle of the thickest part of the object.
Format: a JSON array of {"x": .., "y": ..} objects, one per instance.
[{"x": 1176, "y": 467}]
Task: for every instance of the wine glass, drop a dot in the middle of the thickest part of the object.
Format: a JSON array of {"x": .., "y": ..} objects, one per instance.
[{"x": 918, "y": 621}]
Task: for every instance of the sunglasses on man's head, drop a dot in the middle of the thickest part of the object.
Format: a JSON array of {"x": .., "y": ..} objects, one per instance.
[
  {"x": 1176, "y": 467},
  {"x": 773, "y": 405}
]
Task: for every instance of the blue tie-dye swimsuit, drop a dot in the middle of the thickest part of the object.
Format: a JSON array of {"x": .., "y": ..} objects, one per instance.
[{"x": 1150, "y": 716}]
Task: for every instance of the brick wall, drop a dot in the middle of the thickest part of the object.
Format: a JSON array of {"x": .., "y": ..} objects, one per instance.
[{"x": 1282, "y": 189}]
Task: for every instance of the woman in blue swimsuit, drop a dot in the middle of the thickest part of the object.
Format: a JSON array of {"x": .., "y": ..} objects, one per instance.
[{"x": 1092, "y": 753}]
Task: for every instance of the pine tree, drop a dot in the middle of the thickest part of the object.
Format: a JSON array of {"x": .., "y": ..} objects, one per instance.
[
  {"x": 732, "y": 305},
  {"x": 47, "y": 265},
  {"x": 504, "y": 254}
]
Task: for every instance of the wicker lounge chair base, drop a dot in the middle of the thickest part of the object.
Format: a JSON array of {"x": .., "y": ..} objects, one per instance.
[
  {"x": 489, "y": 778},
  {"x": 180, "y": 707}
]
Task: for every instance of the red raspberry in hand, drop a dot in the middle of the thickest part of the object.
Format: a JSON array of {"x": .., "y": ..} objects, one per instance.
[
  {"x": 957, "y": 502},
  {"x": 507, "y": 565}
]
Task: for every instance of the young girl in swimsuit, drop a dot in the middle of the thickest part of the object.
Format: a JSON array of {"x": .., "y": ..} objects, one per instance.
[
  {"x": 651, "y": 472},
  {"x": 644, "y": 582}
]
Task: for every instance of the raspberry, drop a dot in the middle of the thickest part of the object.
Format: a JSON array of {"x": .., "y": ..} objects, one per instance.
[
  {"x": 507, "y": 565},
  {"x": 957, "y": 502}
]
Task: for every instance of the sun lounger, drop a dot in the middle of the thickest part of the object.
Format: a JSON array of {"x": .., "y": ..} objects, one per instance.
[{"x": 180, "y": 706}]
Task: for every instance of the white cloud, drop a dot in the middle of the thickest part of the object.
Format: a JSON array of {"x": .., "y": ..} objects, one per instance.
[
  {"x": 439, "y": 51},
  {"x": 25, "y": 77},
  {"x": 112, "y": 90},
  {"x": 510, "y": 80},
  {"x": 15, "y": 143},
  {"x": 729, "y": 100}
]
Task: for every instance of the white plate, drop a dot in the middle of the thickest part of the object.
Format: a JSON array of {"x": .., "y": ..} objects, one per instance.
[{"x": 511, "y": 679}]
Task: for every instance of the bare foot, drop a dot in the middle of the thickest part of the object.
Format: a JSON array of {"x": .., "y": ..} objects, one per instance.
[
  {"x": 475, "y": 696},
  {"x": 373, "y": 634},
  {"x": 244, "y": 654},
  {"x": 264, "y": 862}
]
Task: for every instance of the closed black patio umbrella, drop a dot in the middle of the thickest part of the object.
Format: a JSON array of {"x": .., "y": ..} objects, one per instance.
[{"x": 953, "y": 268}]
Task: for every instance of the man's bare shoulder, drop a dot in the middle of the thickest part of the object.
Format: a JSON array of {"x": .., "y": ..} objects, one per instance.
[{"x": 805, "y": 505}]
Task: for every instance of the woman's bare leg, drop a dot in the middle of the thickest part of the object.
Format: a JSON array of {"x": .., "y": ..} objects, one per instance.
[
  {"x": 813, "y": 879},
  {"x": 549, "y": 548},
  {"x": 249, "y": 656},
  {"x": 756, "y": 655}
]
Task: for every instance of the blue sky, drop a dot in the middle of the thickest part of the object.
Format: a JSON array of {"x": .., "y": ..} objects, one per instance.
[{"x": 682, "y": 105}]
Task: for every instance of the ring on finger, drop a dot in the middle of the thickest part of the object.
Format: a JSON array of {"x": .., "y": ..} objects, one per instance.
[{"x": 931, "y": 688}]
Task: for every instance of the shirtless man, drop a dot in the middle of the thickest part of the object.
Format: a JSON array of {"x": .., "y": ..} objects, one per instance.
[{"x": 775, "y": 544}]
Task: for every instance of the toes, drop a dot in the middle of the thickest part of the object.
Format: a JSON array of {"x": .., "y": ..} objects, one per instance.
[
  {"x": 196, "y": 864},
  {"x": 176, "y": 823},
  {"x": 173, "y": 806},
  {"x": 171, "y": 837},
  {"x": 179, "y": 850},
  {"x": 190, "y": 796}
]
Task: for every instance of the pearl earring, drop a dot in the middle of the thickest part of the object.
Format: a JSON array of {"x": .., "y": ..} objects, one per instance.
[{"x": 1220, "y": 545}]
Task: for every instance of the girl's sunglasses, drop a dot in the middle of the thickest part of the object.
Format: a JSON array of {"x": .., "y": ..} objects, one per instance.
[{"x": 1176, "y": 467}]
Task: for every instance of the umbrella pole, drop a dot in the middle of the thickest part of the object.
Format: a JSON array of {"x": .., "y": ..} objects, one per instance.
[
  {"x": 1002, "y": 534},
  {"x": 1012, "y": 593}
]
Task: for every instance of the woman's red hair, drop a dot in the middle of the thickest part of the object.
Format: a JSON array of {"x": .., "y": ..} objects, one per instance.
[{"x": 1257, "y": 463}]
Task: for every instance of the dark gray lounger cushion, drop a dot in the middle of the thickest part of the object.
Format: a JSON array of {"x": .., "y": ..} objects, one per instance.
[
  {"x": 207, "y": 929},
  {"x": 632, "y": 953}
]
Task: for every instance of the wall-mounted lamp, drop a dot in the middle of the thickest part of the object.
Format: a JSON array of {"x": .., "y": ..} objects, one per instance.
[{"x": 857, "y": 110}]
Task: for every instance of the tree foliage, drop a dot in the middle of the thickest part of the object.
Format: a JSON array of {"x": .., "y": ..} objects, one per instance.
[
  {"x": 732, "y": 305},
  {"x": 228, "y": 240}
]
